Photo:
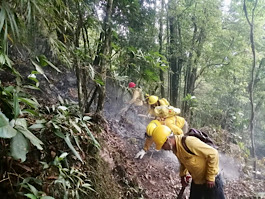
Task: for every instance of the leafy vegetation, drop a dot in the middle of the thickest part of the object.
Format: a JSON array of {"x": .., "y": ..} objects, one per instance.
[{"x": 205, "y": 57}]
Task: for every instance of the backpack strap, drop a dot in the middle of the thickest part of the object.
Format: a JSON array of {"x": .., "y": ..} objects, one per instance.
[{"x": 183, "y": 139}]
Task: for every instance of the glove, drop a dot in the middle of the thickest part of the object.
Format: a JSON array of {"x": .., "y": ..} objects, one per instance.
[
  {"x": 210, "y": 184},
  {"x": 185, "y": 180},
  {"x": 140, "y": 154}
]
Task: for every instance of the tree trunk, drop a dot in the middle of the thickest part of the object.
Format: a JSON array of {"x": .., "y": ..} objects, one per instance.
[
  {"x": 104, "y": 56},
  {"x": 191, "y": 75},
  {"x": 174, "y": 60},
  {"x": 167, "y": 55},
  {"x": 81, "y": 73},
  {"x": 160, "y": 37},
  {"x": 251, "y": 83},
  {"x": 188, "y": 73}
]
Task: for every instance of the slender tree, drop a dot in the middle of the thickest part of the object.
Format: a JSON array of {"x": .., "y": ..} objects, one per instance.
[
  {"x": 175, "y": 52},
  {"x": 160, "y": 37},
  {"x": 252, "y": 79},
  {"x": 104, "y": 57}
]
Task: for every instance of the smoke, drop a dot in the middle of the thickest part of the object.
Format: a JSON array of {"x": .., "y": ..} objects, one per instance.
[
  {"x": 127, "y": 120},
  {"x": 230, "y": 168}
]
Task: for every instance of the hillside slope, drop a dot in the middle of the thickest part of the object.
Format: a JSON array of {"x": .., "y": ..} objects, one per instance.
[{"x": 113, "y": 169}]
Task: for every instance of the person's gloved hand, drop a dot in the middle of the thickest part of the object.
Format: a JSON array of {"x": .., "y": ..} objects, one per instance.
[
  {"x": 185, "y": 180},
  {"x": 210, "y": 184},
  {"x": 140, "y": 154}
]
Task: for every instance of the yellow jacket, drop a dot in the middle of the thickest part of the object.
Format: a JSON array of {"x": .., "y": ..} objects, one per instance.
[
  {"x": 202, "y": 166},
  {"x": 175, "y": 123}
]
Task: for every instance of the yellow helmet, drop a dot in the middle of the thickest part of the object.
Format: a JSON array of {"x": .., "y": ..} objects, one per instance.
[
  {"x": 152, "y": 99},
  {"x": 151, "y": 126},
  {"x": 160, "y": 135}
]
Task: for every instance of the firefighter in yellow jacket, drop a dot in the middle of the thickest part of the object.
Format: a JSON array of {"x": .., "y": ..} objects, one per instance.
[
  {"x": 137, "y": 95},
  {"x": 136, "y": 100},
  {"x": 202, "y": 165},
  {"x": 153, "y": 102},
  {"x": 168, "y": 115},
  {"x": 177, "y": 124}
]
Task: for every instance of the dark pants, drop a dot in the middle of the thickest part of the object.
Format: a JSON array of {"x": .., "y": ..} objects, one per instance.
[{"x": 200, "y": 191}]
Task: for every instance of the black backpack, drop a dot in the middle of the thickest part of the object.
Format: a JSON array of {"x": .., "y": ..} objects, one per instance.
[{"x": 198, "y": 134}]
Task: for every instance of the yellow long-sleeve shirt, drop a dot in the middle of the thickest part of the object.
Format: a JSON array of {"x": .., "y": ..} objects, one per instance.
[{"x": 203, "y": 166}]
